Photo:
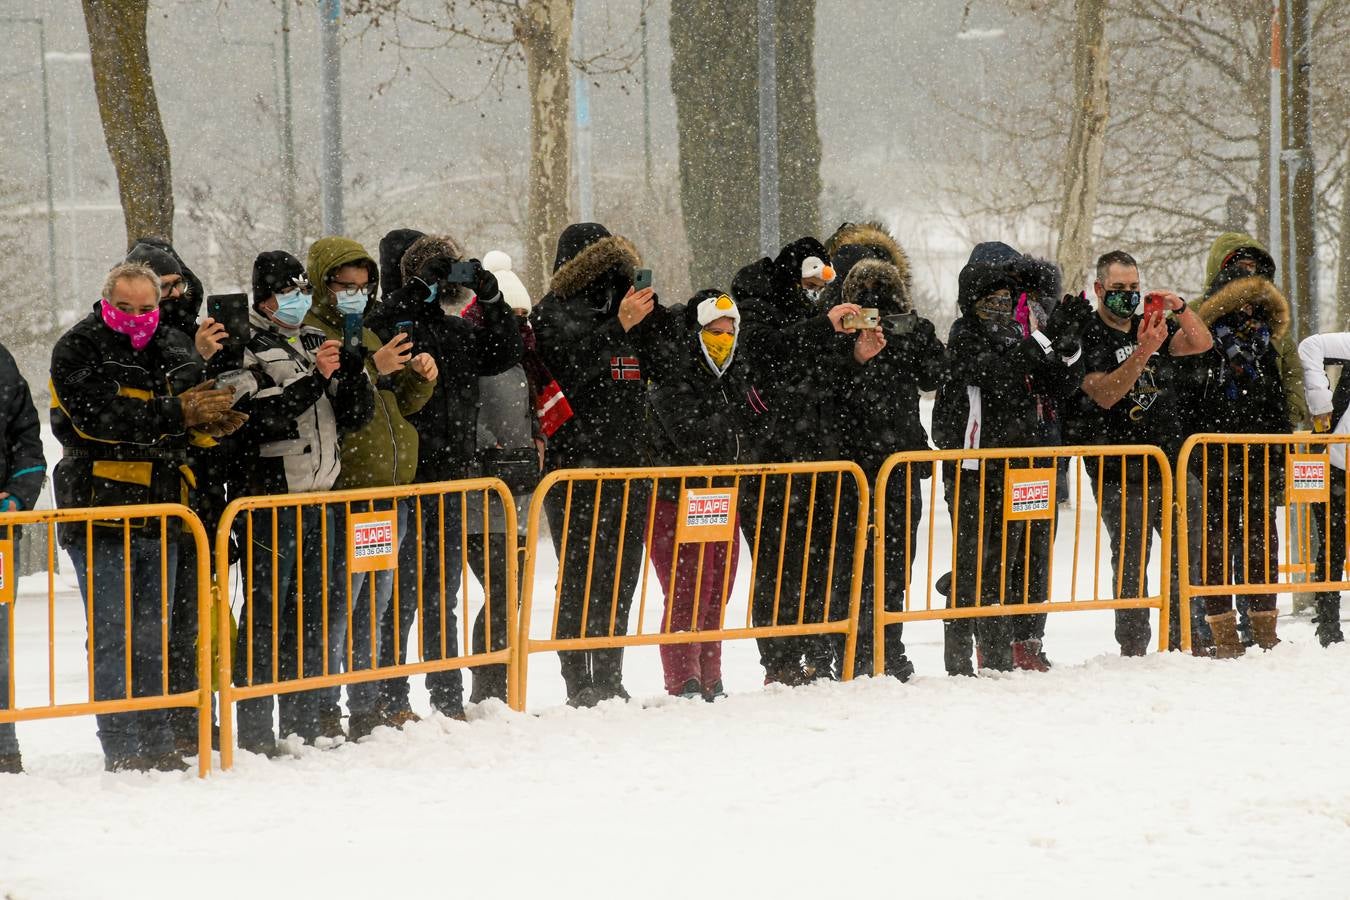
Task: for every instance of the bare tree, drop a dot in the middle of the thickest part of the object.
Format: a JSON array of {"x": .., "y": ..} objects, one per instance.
[
  {"x": 130, "y": 113},
  {"x": 1087, "y": 141}
]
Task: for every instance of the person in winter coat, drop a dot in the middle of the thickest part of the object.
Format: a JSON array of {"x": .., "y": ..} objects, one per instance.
[
  {"x": 602, "y": 340},
  {"x": 445, "y": 451},
  {"x": 128, "y": 399},
  {"x": 1007, "y": 369},
  {"x": 392, "y": 247},
  {"x": 1246, "y": 392},
  {"x": 1130, "y": 395},
  {"x": 301, "y": 392},
  {"x": 879, "y": 415},
  {"x": 23, "y": 469},
  {"x": 1328, "y": 410},
  {"x": 707, "y": 412},
  {"x": 512, "y": 430},
  {"x": 382, "y": 453}
]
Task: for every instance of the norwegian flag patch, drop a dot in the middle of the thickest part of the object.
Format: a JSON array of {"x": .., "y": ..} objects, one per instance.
[{"x": 625, "y": 368}]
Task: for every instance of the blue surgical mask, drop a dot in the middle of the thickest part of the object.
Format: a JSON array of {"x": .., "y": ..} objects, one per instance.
[
  {"x": 349, "y": 302},
  {"x": 435, "y": 289},
  {"x": 291, "y": 308}
]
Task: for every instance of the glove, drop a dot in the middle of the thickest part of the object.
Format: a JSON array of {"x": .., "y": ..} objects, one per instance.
[
  {"x": 485, "y": 285},
  {"x": 1068, "y": 319},
  {"x": 1321, "y": 424},
  {"x": 204, "y": 403},
  {"x": 228, "y": 423},
  {"x": 1067, "y": 345},
  {"x": 10, "y": 504}
]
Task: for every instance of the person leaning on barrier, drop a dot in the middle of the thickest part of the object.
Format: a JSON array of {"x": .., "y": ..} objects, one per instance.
[
  {"x": 128, "y": 400},
  {"x": 879, "y": 406},
  {"x": 707, "y": 412},
  {"x": 23, "y": 469},
  {"x": 1006, "y": 369},
  {"x": 446, "y": 447},
  {"x": 1129, "y": 396},
  {"x": 603, "y": 340},
  {"x": 1328, "y": 410},
  {"x": 382, "y": 453},
  {"x": 1245, "y": 392},
  {"x": 302, "y": 391}
]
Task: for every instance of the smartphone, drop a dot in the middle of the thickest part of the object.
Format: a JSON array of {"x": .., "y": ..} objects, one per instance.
[
  {"x": 406, "y": 326},
  {"x": 353, "y": 328},
  {"x": 1153, "y": 304},
  {"x": 869, "y": 317},
  {"x": 642, "y": 279},
  {"x": 464, "y": 272},
  {"x": 231, "y": 310},
  {"x": 900, "y": 323}
]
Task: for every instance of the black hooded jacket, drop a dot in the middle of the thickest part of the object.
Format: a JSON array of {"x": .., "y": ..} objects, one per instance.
[
  {"x": 392, "y": 247},
  {"x": 180, "y": 313},
  {"x": 23, "y": 468},
  {"x": 997, "y": 396},
  {"x": 602, "y": 369}
]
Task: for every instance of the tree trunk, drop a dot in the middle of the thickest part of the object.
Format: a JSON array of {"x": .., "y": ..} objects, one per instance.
[
  {"x": 131, "y": 124},
  {"x": 1087, "y": 142},
  {"x": 798, "y": 135},
  {"x": 545, "y": 31},
  {"x": 714, "y": 76},
  {"x": 1343, "y": 268},
  {"x": 1303, "y": 279}
]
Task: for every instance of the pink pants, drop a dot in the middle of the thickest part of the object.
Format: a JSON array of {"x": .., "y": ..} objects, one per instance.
[{"x": 699, "y": 661}]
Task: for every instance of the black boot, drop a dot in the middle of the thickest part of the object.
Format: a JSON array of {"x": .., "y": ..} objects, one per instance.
[
  {"x": 489, "y": 682},
  {"x": 957, "y": 645},
  {"x": 995, "y": 636},
  {"x": 1328, "y": 619},
  {"x": 607, "y": 675}
]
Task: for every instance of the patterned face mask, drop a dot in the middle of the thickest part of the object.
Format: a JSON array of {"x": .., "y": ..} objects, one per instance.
[
  {"x": 139, "y": 328},
  {"x": 995, "y": 313},
  {"x": 1122, "y": 304}
]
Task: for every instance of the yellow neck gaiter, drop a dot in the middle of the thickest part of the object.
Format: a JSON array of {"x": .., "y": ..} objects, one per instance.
[{"x": 718, "y": 345}]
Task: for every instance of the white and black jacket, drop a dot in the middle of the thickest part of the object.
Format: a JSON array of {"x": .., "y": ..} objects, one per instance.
[
  {"x": 296, "y": 416},
  {"x": 1316, "y": 353}
]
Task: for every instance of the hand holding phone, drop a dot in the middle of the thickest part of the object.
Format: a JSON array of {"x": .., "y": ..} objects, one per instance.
[
  {"x": 1155, "y": 305},
  {"x": 231, "y": 311},
  {"x": 642, "y": 278},
  {"x": 868, "y": 317}
]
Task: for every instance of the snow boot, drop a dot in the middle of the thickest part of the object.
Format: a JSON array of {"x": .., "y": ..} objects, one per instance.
[
  {"x": 714, "y": 692},
  {"x": 1328, "y": 619},
  {"x": 900, "y": 668},
  {"x": 360, "y": 725},
  {"x": 691, "y": 690},
  {"x": 790, "y": 673},
  {"x": 330, "y": 724},
  {"x": 994, "y": 640},
  {"x": 1027, "y": 656},
  {"x": 399, "y": 718},
  {"x": 1227, "y": 645},
  {"x": 489, "y": 682},
  {"x": 957, "y": 644},
  {"x": 11, "y": 764},
  {"x": 1263, "y": 627}
]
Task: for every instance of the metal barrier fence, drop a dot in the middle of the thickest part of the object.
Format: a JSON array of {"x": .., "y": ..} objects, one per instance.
[
  {"x": 354, "y": 539},
  {"x": 1001, "y": 556},
  {"x": 805, "y": 525},
  {"x": 126, "y": 613},
  {"x": 1242, "y": 481}
]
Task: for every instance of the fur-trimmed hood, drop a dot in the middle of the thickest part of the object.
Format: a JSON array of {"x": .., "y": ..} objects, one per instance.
[
  {"x": 593, "y": 260},
  {"x": 1260, "y": 292},
  {"x": 852, "y": 243},
  {"x": 873, "y": 282}
]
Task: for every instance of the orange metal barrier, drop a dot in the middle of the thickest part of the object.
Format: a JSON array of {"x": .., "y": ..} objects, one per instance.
[
  {"x": 797, "y": 520},
  {"x": 118, "y": 523},
  {"x": 1241, "y": 551},
  {"x": 369, "y": 542},
  {"x": 1012, "y": 486}
]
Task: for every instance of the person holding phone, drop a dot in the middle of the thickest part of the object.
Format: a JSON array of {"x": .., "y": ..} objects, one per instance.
[
  {"x": 1130, "y": 396},
  {"x": 382, "y": 453},
  {"x": 437, "y": 277}
]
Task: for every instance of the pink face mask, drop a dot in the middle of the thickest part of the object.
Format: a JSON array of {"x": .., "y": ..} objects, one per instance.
[{"x": 139, "y": 328}]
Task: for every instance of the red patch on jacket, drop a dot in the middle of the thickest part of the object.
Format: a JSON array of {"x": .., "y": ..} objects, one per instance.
[{"x": 625, "y": 368}]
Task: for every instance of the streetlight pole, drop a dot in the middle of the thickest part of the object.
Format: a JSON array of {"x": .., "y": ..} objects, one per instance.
[
  {"x": 288, "y": 130},
  {"x": 331, "y": 71},
  {"x": 768, "y": 128},
  {"x": 585, "y": 184},
  {"x": 646, "y": 104},
  {"x": 47, "y": 155},
  {"x": 55, "y": 56}
]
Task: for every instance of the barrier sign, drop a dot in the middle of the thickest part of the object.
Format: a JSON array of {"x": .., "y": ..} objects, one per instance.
[
  {"x": 1029, "y": 494},
  {"x": 372, "y": 541},
  {"x": 9, "y": 567},
  {"x": 1308, "y": 478},
  {"x": 706, "y": 515}
]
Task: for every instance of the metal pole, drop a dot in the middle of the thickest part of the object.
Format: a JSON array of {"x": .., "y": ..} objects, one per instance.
[
  {"x": 331, "y": 73},
  {"x": 288, "y": 130},
  {"x": 1275, "y": 203},
  {"x": 585, "y": 188},
  {"x": 768, "y": 129},
  {"x": 646, "y": 105}
]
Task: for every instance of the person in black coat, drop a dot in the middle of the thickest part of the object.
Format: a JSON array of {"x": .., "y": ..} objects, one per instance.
[
  {"x": 23, "y": 469},
  {"x": 446, "y": 445},
  {"x": 1007, "y": 369},
  {"x": 603, "y": 341}
]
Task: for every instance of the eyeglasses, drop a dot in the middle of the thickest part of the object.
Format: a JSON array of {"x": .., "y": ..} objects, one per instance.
[
  {"x": 348, "y": 285},
  {"x": 168, "y": 288}
]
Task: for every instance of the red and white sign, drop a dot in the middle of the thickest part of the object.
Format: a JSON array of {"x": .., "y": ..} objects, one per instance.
[
  {"x": 706, "y": 514},
  {"x": 1029, "y": 494},
  {"x": 1308, "y": 478},
  {"x": 372, "y": 541}
]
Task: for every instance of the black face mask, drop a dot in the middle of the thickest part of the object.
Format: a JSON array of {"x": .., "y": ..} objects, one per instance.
[
  {"x": 996, "y": 320},
  {"x": 604, "y": 294}
]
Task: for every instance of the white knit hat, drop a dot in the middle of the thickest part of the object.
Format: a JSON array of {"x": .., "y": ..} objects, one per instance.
[
  {"x": 513, "y": 290},
  {"x": 718, "y": 307}
]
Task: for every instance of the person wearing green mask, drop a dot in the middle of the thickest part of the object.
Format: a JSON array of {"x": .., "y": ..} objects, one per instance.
[{"x": 1129, "y": 395}]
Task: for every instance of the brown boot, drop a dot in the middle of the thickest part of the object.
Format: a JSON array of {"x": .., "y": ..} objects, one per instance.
[
  {"x": 1227, "y": 645},
  {"x": 1263, "y": 627}
]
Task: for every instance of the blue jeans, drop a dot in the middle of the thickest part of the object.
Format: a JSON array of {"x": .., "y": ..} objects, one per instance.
[
  {"x": 296, "y": 655},
  {"x": 145, "y": 733},
  {"x": 362, "y": 698},
  {"x": 9, "y": 742},
  {"x": 447, "y": 688}
]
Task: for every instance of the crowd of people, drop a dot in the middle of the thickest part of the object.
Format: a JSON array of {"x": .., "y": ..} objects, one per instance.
[{"x": 452, "y": 370}]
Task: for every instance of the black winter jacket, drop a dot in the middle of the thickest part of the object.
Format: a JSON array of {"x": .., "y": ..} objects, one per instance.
[
  {"x": 447, "y": 425},
  {"x": 22, "y": 466}
]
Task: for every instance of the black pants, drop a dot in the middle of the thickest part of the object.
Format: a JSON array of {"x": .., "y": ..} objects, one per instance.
[
  {"x": 1246, "y": 548},
  {"x": 601, "y": 668},
  {"x": 1329, "y": 519},
  {"x": 1010, "y": 560},
  {"x": 183, "y": 638},
  {"x": 1127, "y": 512},
  {"x": 794, "y": 575},
  {"x": 489, "y": 567}
]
